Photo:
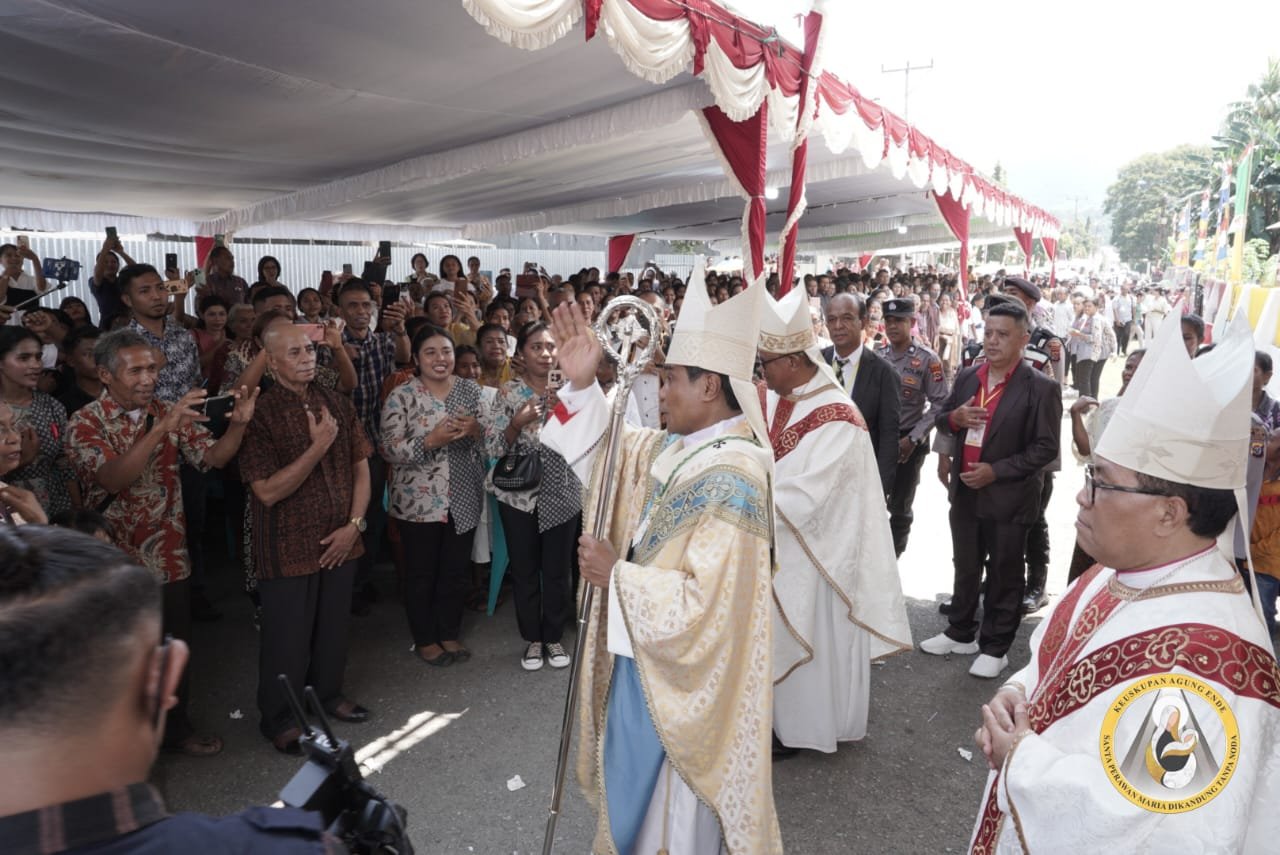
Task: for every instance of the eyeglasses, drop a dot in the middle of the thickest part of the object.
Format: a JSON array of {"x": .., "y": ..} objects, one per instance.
[
  {"x": 764, "y": 362},
  {"x": 1092, "y": 485}
]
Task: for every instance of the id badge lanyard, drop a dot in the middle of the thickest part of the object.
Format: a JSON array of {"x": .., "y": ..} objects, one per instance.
[{"x": 974, "y": 436}]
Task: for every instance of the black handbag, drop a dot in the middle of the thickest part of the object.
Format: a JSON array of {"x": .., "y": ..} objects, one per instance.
[{"x": 518, "y": 472}]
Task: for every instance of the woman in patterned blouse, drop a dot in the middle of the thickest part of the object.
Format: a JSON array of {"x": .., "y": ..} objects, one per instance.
[
  {"x": 541, "y": 525},
  {"x": 45, "y": 470},
  {"x": 431, "y": 432}
]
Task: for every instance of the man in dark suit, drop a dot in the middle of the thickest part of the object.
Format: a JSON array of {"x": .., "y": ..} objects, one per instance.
[
  {"x": 868, "y": 379},
  {"x": 1005, "y": 420}
]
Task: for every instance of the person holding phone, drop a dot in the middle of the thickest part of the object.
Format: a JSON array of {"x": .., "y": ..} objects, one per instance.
[
  {"x": 478, "y": 282},
  {"x": 221, "y": 278},
  {"x": 17, "y": 286},
  {"x": 541, "y": 523},
  {"x": 474, "y": 275},
  {"x": 450, "y": 273},
  {"x": 432, "y": 435},
  {"x": 374, "y": 355},
  {"x": 127, "y": 448},
  {"x": 104, "y": 285},
  {"x": 443, "y": 308},
  {"x": 148, "y": 298}
]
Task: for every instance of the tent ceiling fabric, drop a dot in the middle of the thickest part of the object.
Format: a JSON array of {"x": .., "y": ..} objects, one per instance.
[
  {"x": 163, "y": 109},
  {"x": 358, "y": 121}
]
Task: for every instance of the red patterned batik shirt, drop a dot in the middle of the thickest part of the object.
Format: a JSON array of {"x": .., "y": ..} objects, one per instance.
[{"x": 145, "y": 519}]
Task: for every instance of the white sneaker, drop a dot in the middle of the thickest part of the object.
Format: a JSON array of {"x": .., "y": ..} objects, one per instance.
[
  {"x": 532, "y": 659},
  {"x": 941, "y": 645},
  {"x": 556, "y": 657},
  {"x": 988, "y": 667}
]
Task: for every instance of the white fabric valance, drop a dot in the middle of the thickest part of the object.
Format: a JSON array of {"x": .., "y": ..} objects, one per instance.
[
  {"x": 37, "y": 219},
  {"x": 654, "y": 50},
  {"x": 527, "y": 24}
]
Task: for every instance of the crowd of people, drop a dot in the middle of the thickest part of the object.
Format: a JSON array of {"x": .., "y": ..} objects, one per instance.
[
  {"x": 452, "y": 424},
  {"x": 378, "y": 417}
]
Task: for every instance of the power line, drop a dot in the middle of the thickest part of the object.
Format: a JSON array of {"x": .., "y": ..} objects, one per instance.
[{"x": 905, "y": 71}]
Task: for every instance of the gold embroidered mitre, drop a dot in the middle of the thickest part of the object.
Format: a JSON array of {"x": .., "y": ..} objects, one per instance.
[{"x": 787, "y": 327}]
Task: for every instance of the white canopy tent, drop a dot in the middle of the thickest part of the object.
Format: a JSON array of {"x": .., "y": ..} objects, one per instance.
[{"x": 406, "y": 120}]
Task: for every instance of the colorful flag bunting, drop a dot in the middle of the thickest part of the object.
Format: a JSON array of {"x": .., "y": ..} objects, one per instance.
[{"x": 1240, "y": 222}]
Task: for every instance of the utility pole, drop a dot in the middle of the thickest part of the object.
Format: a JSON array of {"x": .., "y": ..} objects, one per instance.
[
  {"x": 905, "y": 71},
  {"x": 1078, "y": 200}
]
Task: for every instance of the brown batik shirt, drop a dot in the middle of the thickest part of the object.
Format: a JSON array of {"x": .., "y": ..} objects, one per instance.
[{"x": 287, "y": 535}]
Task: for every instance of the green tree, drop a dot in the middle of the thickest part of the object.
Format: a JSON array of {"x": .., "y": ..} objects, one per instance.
[
  {"x": 1078, "y": 239},
  {"x": 1256, "y": 121},
  {"x": 1147, "y": 192},
  {"x": 689, "y": 247},
  {"x": 1254, "y": 259}
]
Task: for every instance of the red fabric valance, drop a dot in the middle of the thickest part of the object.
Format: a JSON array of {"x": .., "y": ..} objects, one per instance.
[
  {"x": 743, "y": 147},
  {"x": 744, "y": 42},
  {"x": 749, "y": 46},
  {"x": 204, "y": 246},
  {"x": 619, "y": 246},
  {"x": 1024, "y": 240},
  {"x": 956, "y": 216},
  {"x": 797, "y": 202},
  {"x": 1051, "y": 249}
]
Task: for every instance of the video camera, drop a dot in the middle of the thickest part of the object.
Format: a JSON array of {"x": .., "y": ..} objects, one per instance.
[{"x": 330, "y": 783}]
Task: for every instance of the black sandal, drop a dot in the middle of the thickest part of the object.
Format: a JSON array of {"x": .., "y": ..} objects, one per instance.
[
  {"x": 460, "y": 655},
  {"x": 440, "y": 661}
]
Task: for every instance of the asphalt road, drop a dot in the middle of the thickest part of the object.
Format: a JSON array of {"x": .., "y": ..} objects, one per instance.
[{"x": 444, "y": 742}]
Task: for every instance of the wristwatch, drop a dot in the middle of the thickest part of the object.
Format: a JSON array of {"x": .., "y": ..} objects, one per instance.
[{"x": 359, "y": 523}]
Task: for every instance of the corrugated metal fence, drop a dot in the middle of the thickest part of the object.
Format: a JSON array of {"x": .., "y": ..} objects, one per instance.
[{"x": 302, "y": 264}]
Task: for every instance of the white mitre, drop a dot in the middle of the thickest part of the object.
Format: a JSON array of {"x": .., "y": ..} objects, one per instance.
[
  {"x": 723, "y": 339},
  {"x": 787, "y": 327},
  {"x": 1187, "y": 420}
]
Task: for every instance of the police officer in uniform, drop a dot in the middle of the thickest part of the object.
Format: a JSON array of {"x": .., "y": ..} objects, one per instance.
[
  {"x": 85, "y": 681},
  {"x": 923, "y": 390}
]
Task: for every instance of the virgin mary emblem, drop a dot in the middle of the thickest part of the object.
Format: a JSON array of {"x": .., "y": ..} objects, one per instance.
[{"x": 1170, "y": 743}]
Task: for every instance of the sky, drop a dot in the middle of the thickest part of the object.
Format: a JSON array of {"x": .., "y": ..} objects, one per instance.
[{"x": 1061, "y": 96}]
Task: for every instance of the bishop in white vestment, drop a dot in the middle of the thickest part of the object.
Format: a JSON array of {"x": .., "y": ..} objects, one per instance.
[
  {"x": 1148, "y": 719},
  {"x": 838, "y": 601},
  {"x": 674, "y": 726}
]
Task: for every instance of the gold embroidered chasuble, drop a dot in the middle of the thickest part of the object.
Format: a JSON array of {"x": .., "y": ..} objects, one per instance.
[{"x": 695, "y": 598}]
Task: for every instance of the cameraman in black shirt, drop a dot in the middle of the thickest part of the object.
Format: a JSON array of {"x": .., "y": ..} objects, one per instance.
[{"x": 85, "y": 680}]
